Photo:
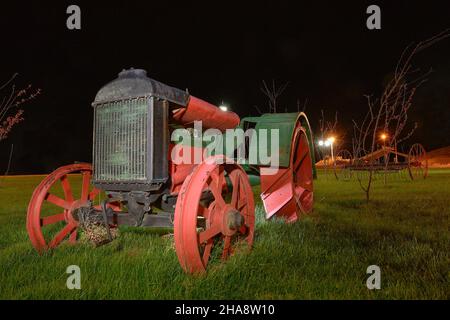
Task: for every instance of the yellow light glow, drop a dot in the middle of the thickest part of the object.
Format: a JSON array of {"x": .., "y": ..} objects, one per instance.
[
  {"x": 383, "y": 136},
  {"x": 331, "y": 139}
]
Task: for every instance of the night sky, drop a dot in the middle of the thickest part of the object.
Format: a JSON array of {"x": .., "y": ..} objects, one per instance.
[{"x": 220, "y": 51}]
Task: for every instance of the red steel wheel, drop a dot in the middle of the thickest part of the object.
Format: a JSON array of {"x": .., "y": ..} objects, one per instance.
[
  {"x": 203, "y": 230},
  {"x": 64, "y": 208},
  {"x": 289, "y": 193}
]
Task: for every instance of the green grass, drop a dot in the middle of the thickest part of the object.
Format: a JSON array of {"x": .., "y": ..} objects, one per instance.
[{"x": 404, "y": 230}]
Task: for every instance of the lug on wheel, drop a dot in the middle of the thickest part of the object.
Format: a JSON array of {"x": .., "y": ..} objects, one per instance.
[
  {"x": 210, "y": 217},
  {"x": 52, "y": 212},
  {"x": 417, "y": 162}
]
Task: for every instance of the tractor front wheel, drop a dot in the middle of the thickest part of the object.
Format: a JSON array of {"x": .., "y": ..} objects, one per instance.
[
  {"x": 212, "y": 217},
  {"x": 52, "y": 211}
]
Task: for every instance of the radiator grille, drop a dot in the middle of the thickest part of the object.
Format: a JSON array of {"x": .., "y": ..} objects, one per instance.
[{"x": 120, "y": 141}]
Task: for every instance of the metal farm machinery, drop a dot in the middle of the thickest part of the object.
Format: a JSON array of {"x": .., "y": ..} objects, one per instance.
[
  {"x": 385, "y": 159},
  {"x": 134, "y": 180}
]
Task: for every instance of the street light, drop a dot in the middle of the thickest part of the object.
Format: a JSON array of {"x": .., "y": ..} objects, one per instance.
[
  {"x": 330, "y": 141},
  {"x": 383, "y": 137},
  {"x": 223, "y": 107}
]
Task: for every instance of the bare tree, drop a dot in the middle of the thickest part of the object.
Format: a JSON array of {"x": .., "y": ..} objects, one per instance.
[
  {"x": 273, "y": 93},
  {"x": 327, "y": 127},
  {"x": 389, "y": 113},
  {"x": 10, "y": 101},
  {"x": 304, "y": 105}
]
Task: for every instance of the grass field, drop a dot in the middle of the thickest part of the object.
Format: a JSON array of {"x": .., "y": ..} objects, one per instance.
[{"x": 404, "y": 230}]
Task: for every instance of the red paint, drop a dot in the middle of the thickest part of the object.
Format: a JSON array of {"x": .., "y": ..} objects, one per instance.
[
  {"x": 210, "y": 115},
  {"x": 289, "y": 193},
  {"x": 63, "y": 207},
  {"x": 194, "y": 246}
]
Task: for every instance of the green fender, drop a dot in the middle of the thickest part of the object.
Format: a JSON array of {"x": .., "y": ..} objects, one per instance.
[{"x": 285, "y": 123}]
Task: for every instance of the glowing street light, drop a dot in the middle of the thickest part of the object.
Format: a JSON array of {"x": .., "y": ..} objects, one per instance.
[
  {"x": 328, "y": 143},
  {"x": 223, "y": 107},
  {"x": 383, "y": 137}
]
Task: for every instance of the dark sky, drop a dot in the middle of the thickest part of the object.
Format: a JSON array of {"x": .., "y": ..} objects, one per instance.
[{"x": 220, "y": 51}]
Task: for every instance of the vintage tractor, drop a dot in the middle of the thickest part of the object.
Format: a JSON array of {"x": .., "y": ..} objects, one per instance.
[{"x": 135, "y": 180}]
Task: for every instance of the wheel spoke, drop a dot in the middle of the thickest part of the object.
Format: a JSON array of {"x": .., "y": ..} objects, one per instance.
[
  {"x": 57, "y": 201},
  {"x": 67, "y": 188},
  {"x": 52, "y": 219},
  {"x": 61, "y": 235},
  {"x": 242, "y": 206},
  {"x": 209, "y": 233},
  {"x": 217, "y": 193},
  {"x": 236, "y": 190},
  {"x": 73, "y": 236},
  {"x": 85, "y": 186},
  {"x": 94, "y": 193},
  {"x": 207, "y": 252}
]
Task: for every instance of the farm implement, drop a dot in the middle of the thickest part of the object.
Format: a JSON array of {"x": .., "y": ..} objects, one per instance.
[{"x": 385, "y": 159}]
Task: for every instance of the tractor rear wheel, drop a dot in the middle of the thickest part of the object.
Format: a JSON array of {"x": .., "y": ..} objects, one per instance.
[
  {"x": 211, "y": 217},
  {"x": 52, "y": 211},
  {"x": 289, "y": 192}
]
